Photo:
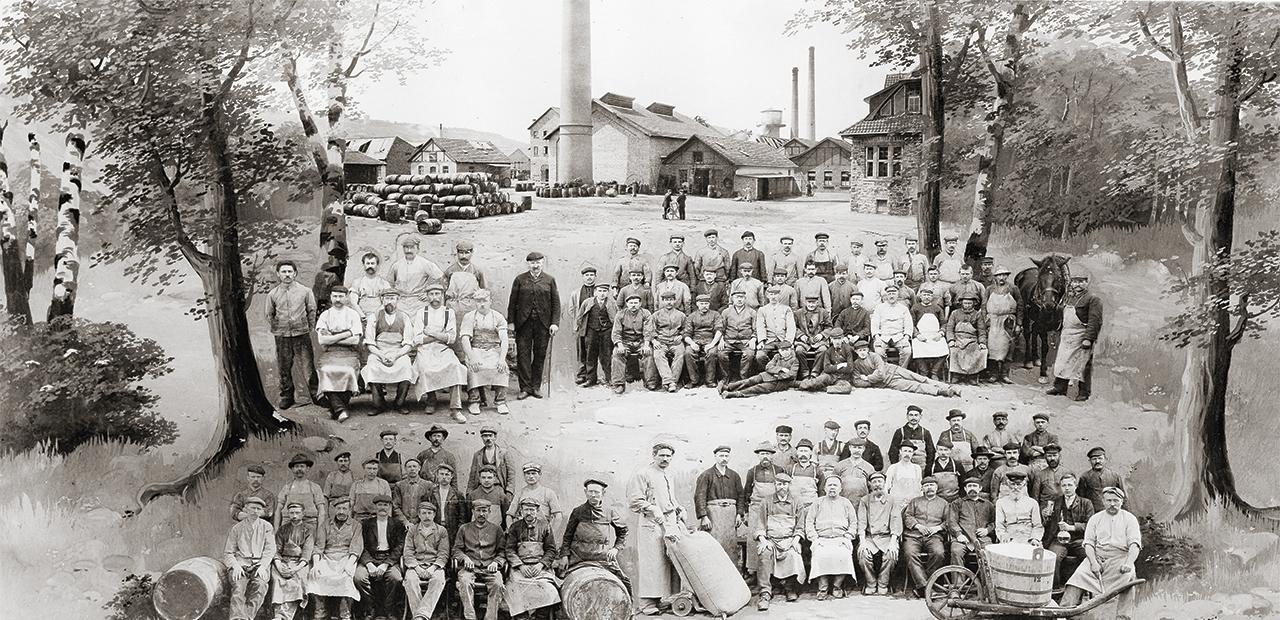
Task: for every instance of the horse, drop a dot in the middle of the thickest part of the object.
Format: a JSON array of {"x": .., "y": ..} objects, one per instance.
[{"x": 1042, "y": 288}]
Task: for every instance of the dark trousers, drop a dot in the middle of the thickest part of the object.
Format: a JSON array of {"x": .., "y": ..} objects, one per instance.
[
  {"x": 755, "y": 386},
  {"x": 680, "y": 209},
  {"x": 531, "y": 354},
  {"x": 937, "y": 556},
  {"x": 290, "y": 349},
  {"x": 379, "y": 593},
  {"x": 1074, "y": 549},
  {"x": 932, "y": 367},
  {"x": 582, "y": 357},
  {"x": 599, "y": 354}
]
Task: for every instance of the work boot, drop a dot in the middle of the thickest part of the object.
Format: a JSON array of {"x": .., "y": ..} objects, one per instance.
[
  {"x": 379, "y": 398},
  {"x": 762, "y": 604},
  {"x": 402, "y": 392},
  {"x": 1004, "y": 373},
  {"x": 620, "y": 388},
  {"x": 1059, "y": 387},
  {"x": 1082, "y": 392},
  {"x": 792, "y": 596}
]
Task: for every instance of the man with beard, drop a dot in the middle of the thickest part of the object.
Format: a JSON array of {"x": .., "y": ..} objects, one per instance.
[
  {"x": 716, "y": 502},
  {"x": 970, "y": 520},
  {"x": 594, "y": 535},
  {"x": 477, "y": 553},
  {"x": 412, "y": 273},
  {"x": 333, "y": 567},
  {"x": 1018, "y": 516},
  {"x": 924, "y": 522},
  {"x": 534, "y": 312},
  {"x": 1081, "y": 323},
  {"x": 437, "y": 369},
  {"x": 388, "y": 338},
  {"x": 959, "y": 439},
  {"x": 881, "y": 523},
  {"x": 433, "y": 455},
  {"x": 854, "y": 261},
  {"x": 304, "y": 492},
  {"x": 530, "y": 552},
  {"x": 651, "y": 495}
]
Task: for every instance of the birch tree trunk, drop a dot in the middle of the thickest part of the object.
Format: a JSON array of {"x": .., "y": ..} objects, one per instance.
[
  {"x": 16, "y": 301},
  {"x": 66, "y": 257}
]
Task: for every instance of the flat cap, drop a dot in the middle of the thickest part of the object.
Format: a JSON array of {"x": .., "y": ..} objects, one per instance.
[
  {"x": 1053, "y": 448},
  {"x": 382, "y": 499},
  {"x": 856, "y": 242},
  {"x": 389, "y": 292},
  {"x": 822, "y": 235},
  {"x": 529, "y": 501},
  {"x": 668, "y": 295},
  {"x": 951, "y": 237},
  {"x": 911, "y": 408},
  {"x": 782, "y": 428},
  {"x": 662, "y": 445},
  {"x": 410, "y": 241},
  {"x": 747, "y": 233},
  {"x": 890, "y": 287},
  {"x": 1116, "y": 491},
  {"x": 488, "y": 468},
  {"x": 831, "y": 424},
  {"x": 710, "y": 231},
  {"x": 1003, "y": 269},
  {"x": 630, "y": 296},
  {"x": 782, "y": 476},
  {"x": 1016, "y": 473},
  {"x": 779, "y": 271},
  {"x": 254, "y": 499},
  {"x": 670, "y": 266},
  {"x": 857, "y": 441},
  {"x": 929, "y": 480},
  {"x": 911, "y": 238},
  {"x": 294, "y": 503},
  {"x": 531, "y": 466},
  {"x": 1000, "y": 414},
  {"x": 834, "y": 332},
  {"x": 338, "y": 289},
  {"x": 534, "y": 255},
  {"x": 257, "y": 469},
  {"x": 603, "y": 285},
  {"x": 435, "y": 286},
  {"x": 786, "y": 238},
  {"x": 411, "y": 460},
  {"x": 1012, "y": 445},
  {"x": 488, "y": 428},
  {"x": 804, "y": 443},
  {"x": 981, "y": 451},
  {"x": 426, "y": 503},
  {"x": 972, "y": 479},
  {"x": 639, "y": 270},
  {"x": 874, "y": 475},
  {"x": 702, "y": 297},
  {"x": 480, "y": 503},
  {"x": 1096, "y": 451},
  {"x": 675, "y": 236},
  {"x": 368, "y": 461},
  {"x": 783, "y": 345},
  {"x": 882, "y": 242},
  {"x": 867, "y": 423},
  {"x": 861, "y": 343},
  {"x": 338, "y": 500},
  {"x": 721, "y": 448},
  {"x": 590, "y": 481},
  {"x": 775, "y": 289},
  {"x": 464, "y": 246},
  {"x": 387, "y": 430},
  {"x": 588, "y": 269},
  {"x": 1040, "y": 415},
  {"x": 633, "y": 240},
  {"x": 445, "y": 466},
  {"x": 300, "y": 459},
  {"x": 908, "y": 445},
  {"x": 738, "y": 291},
  {"x": 342, "y": 454}
]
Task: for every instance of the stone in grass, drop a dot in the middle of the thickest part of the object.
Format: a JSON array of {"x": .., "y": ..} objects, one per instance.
[
  {"x": 1252, "y": 546},
  {"x": 1193, "y": 610},
  {"x": 1244, "y": 604},
  {"x": 316, "y": 443}
]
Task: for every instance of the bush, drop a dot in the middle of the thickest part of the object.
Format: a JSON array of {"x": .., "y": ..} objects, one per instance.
[
  {"x": 73, "y": 380},
  {"x": 133, "y": 601}
]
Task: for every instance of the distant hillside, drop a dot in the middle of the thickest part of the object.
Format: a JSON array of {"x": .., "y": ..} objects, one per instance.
[{"x": 418, "y": 133}]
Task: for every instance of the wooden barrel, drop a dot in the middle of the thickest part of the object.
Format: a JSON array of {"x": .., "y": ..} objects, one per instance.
[
  {"x": 593, "y": 593},
  {"x": 526, "y": 203},
  {"x": 189, "y": 589},
  {"x": 1021, "y": 575},
  {"x": 429, "y": 226}
]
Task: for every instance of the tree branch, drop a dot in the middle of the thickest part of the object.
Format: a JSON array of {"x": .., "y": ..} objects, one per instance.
[
  {"x": 199, "y": 260},
  {"x": 957, "y": 64},
  {"x": 1269, "y": 308},
  {"x": 1266, "y": 77},
  {"x": 981, "y": 44},
  {"x": 1242, "y": 311},
  {"x": 1146, "y": 31},
  {"x": 242, "y": 58}
]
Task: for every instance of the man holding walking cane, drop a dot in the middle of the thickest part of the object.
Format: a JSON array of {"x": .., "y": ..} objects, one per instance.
[{"x": 534, "y": 311}]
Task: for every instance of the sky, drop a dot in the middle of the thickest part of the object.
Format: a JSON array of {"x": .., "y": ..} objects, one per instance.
[{"x": 724, "y": 60}]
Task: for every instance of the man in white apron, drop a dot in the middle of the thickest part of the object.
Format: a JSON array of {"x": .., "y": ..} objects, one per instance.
[
  {"x": 758, "y": 486},
  {"x": 435, "y": 328},
  {"x": 388, "y": 337},
  {"x": 1081, "y": 323},
  {"x": 967, "y": 338},
  {"x": 651, "y": 495},
  {"x": 334, "y": 570},
  {"x": 831, "y": 525},
  {"x": 1112, "y": 541},
  {"x": 948, "y": 472},
  {"x": 804, "y": 474},
  {"x": 462, "y": 279},
  {"x": 1004, "y": 317},
  {"x": 484, "y": 347},
  {"x": 960, "y": 439},
  {"x": 338, "y": 330},
  {"x": 777, "y": 533},
  {"x": 929, "y": 345},
  {"x": 902, "y": 479}
]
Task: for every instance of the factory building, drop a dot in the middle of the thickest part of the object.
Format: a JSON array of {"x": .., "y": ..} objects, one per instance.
[{"x": 886, "y": 148}]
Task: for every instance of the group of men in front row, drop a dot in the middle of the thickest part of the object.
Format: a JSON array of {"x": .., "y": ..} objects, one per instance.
[{"x": 811, "y": 511}]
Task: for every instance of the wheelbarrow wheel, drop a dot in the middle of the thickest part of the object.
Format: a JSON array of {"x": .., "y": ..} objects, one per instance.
[
  {"x": 682, "y": 604},
  {"x": 947, "y": 584}
]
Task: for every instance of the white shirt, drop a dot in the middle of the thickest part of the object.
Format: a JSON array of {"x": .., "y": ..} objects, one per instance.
[
  {"x": 891, "y": 320},
  {"x": 871, "y": 289},
  {"x": 382, "y": 534}
]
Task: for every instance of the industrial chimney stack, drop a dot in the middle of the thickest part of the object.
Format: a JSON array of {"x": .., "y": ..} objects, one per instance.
[
  {"x": 575, "y": 92},
  {"x": 813, "y": 122},
  {"x": 795, "y": 102}
]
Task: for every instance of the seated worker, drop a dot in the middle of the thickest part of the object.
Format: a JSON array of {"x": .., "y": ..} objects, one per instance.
[
  {"x": 832, "y": 365},
  {"x": 702, "y": 337},
  {"x": 970, "y": 521},
  {"x": 594, "y": 534},
  {"x": 775, "y": 324},
  {"x": 831, "y": 526},
  {"x": 777, "y": 375},
  {"x": 870, "y": 370},
  {"x": 248, "y": 554},
  {"x": 1018, "y": 516},
  {"x": 738, "y": 324},
  {"x": 929, "y": 349},
  {"x": 880, "y": 534},
  {"x": 435, "y": 330},
  {"x": 891, "y": 326},
  {"x": 338, "y": 331},
  {"x": 295, "y": 546},
  {"x": 924, "y": 521},
  {"x": 777, "y": 532},
  {"x": 1064, "y": 529},
  {"x": 426, "y": 551},
  {"x": 378, "y": 575},
  {"x": 967, "y": 339},
  {"x": 477, "y": 551},
  {"x": 664, "y": 333},
  {"x": 1112, "y": 541},
  {"x": 629, "y": 339},
  {"x": 388, "y": 339},
  {"x": 812, "y": 322},
  {"x": 333, "y": 569},
  {"x": 855, "y": 319},
  {"x": 530, "y": 552}
]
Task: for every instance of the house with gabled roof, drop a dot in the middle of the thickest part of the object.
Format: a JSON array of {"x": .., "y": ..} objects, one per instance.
[
  {"x": 886, "y": 147},
  {"x": 728, "y": 167},
  {"x": 826, "y": 165},
  {"x": 393, "y": 151},
  {"x": 448, "y": 155},
  {"x": 628, "y": 140}
]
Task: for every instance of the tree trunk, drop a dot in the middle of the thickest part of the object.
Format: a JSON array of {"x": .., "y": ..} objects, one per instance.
[
  {"x": 66, "y": 257},
  {"x": 930, "y": 211},
  {"x": 988, "y": 178},
  {"x": 1202, "y": 467},
  {"x": 245, "y": 408}
]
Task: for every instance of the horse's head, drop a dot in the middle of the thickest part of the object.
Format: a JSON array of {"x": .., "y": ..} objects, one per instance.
[{"x": 1051, "y": 279}]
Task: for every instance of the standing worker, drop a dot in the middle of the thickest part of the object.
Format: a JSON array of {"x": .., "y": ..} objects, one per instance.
[
  {"x": 651, "y": 495},
  {"x": 291, "y": 313},
  {"x": 534, "y": 311},
  {"x": 1081, "y": 322}
]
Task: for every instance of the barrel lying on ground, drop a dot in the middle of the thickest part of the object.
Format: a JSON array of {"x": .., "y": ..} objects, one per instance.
[
  {"x": 189, "y": 589},
  {"x": 593, "y": 593}
]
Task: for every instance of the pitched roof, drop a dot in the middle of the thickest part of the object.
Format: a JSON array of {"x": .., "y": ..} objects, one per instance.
[
  {"x": 550, "y": 110},
  {"x": 469, "y": 151},
  {"x": 359, "y": 159},
  {"x": 518, "y": 155},
  {"x": 741, "y": 152},
  {"x": 772, "y": 141},
  {"x": 901, "y": 123},
  {"x": 377, "y": 148},
  {"x": 837, "y": 142},
  {"x": 650, "y": 122},
  {"x": 802, "y": 141}
]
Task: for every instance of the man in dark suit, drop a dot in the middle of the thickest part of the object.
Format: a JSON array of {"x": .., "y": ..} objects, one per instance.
[
  {"x": 378, "y": 575},
  {"x": 534, "y": 313}
]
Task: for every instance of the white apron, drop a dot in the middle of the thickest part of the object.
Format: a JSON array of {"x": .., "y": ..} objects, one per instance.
[
  {"x": 1072, "y": 358},
  {"x": 1112, "y": 560},
  {"x": 338, "y": 366},
  {"x": 804, "y": 488},
  {"x": 759, "y": 492},
  {"x": 292, "y": 589},
  {"x": 526, "y": 594},
  {"x": 389, "y": 335},
  {"x": 831, "y": 556},
  {"x": 656, "y": 574},
  {"x": 1001, "y": 315},
  {"x": 948, "y": 481},
  {"x": 489, "y": 367},
  {"x": 791, "y": 564},
  {"x": 724, "y": 516},
  {"x": 334, "y": 575},
  {"x": 961, "y": 449},
  {"x": 437, "y": 366},
  {"x": 929, "y": 342},
  {"x": 457, "y": 294}
]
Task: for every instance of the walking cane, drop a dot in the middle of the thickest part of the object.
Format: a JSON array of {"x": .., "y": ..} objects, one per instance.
[{"x": 551, "y": 346}]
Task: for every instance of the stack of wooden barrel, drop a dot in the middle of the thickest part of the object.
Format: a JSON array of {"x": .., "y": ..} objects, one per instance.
[{"x": 426, "y": 199}]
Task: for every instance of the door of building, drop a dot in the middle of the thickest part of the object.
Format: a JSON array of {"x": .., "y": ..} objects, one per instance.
[
  {"x": 701, "y": 178},
  {"x": 763, "y": 185}
]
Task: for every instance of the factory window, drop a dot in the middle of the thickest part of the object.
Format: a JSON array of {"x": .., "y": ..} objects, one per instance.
[
  {"x": 826, "y": 178},
  {"x": 433, "y": 170},
  {"x": 913, "y": 101},
  {"x": 897, "y": 161},
  {"x": 882, "y": 159},
  {"x": 697, "y": 157},
  {"x": 844, "y": 178},
  {"x": 812, "y": 176},
  {"x": 545, "y": 151},
  {"x": 444, "y": 169}
]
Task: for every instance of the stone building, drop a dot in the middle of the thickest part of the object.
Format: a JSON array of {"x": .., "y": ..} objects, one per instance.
[
  {"x": 886, "y": 148},
  {"x": 393, "y": 151},
  {"x": 827, "y": 164},
  {"x": 628, "y": 142},
  {"x": 796, "y": 146},
  {"x": 447, "y": 155},
  {"x": 732, "y": 167}
]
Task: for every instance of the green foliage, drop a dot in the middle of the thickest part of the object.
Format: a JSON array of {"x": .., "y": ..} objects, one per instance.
[
  {"x": 1165, "y": 554},
  {"x": 133, "y": 601},
  {"x": 69, "y": 382},
  {"x": 1245, "y": 283}
]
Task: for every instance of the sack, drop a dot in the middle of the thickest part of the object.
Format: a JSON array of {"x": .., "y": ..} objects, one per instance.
[
  {"x": 840, "y": 387},
  {"x": 709, "y": 573}
]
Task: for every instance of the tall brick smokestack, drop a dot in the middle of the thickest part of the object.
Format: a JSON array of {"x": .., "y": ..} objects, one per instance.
[
  {"x": 575, "y": 92},
  {"x": 813, "y": 114},
  {"x": 795, "y": 102}
]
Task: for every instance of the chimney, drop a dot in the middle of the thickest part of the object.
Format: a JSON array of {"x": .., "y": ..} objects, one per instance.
[
  {"x": 813, "y": 122},
  {"x": 795, "y": 102},
  {"x": 440, "y": 131},
  {"x": 575, "y": 92}
]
